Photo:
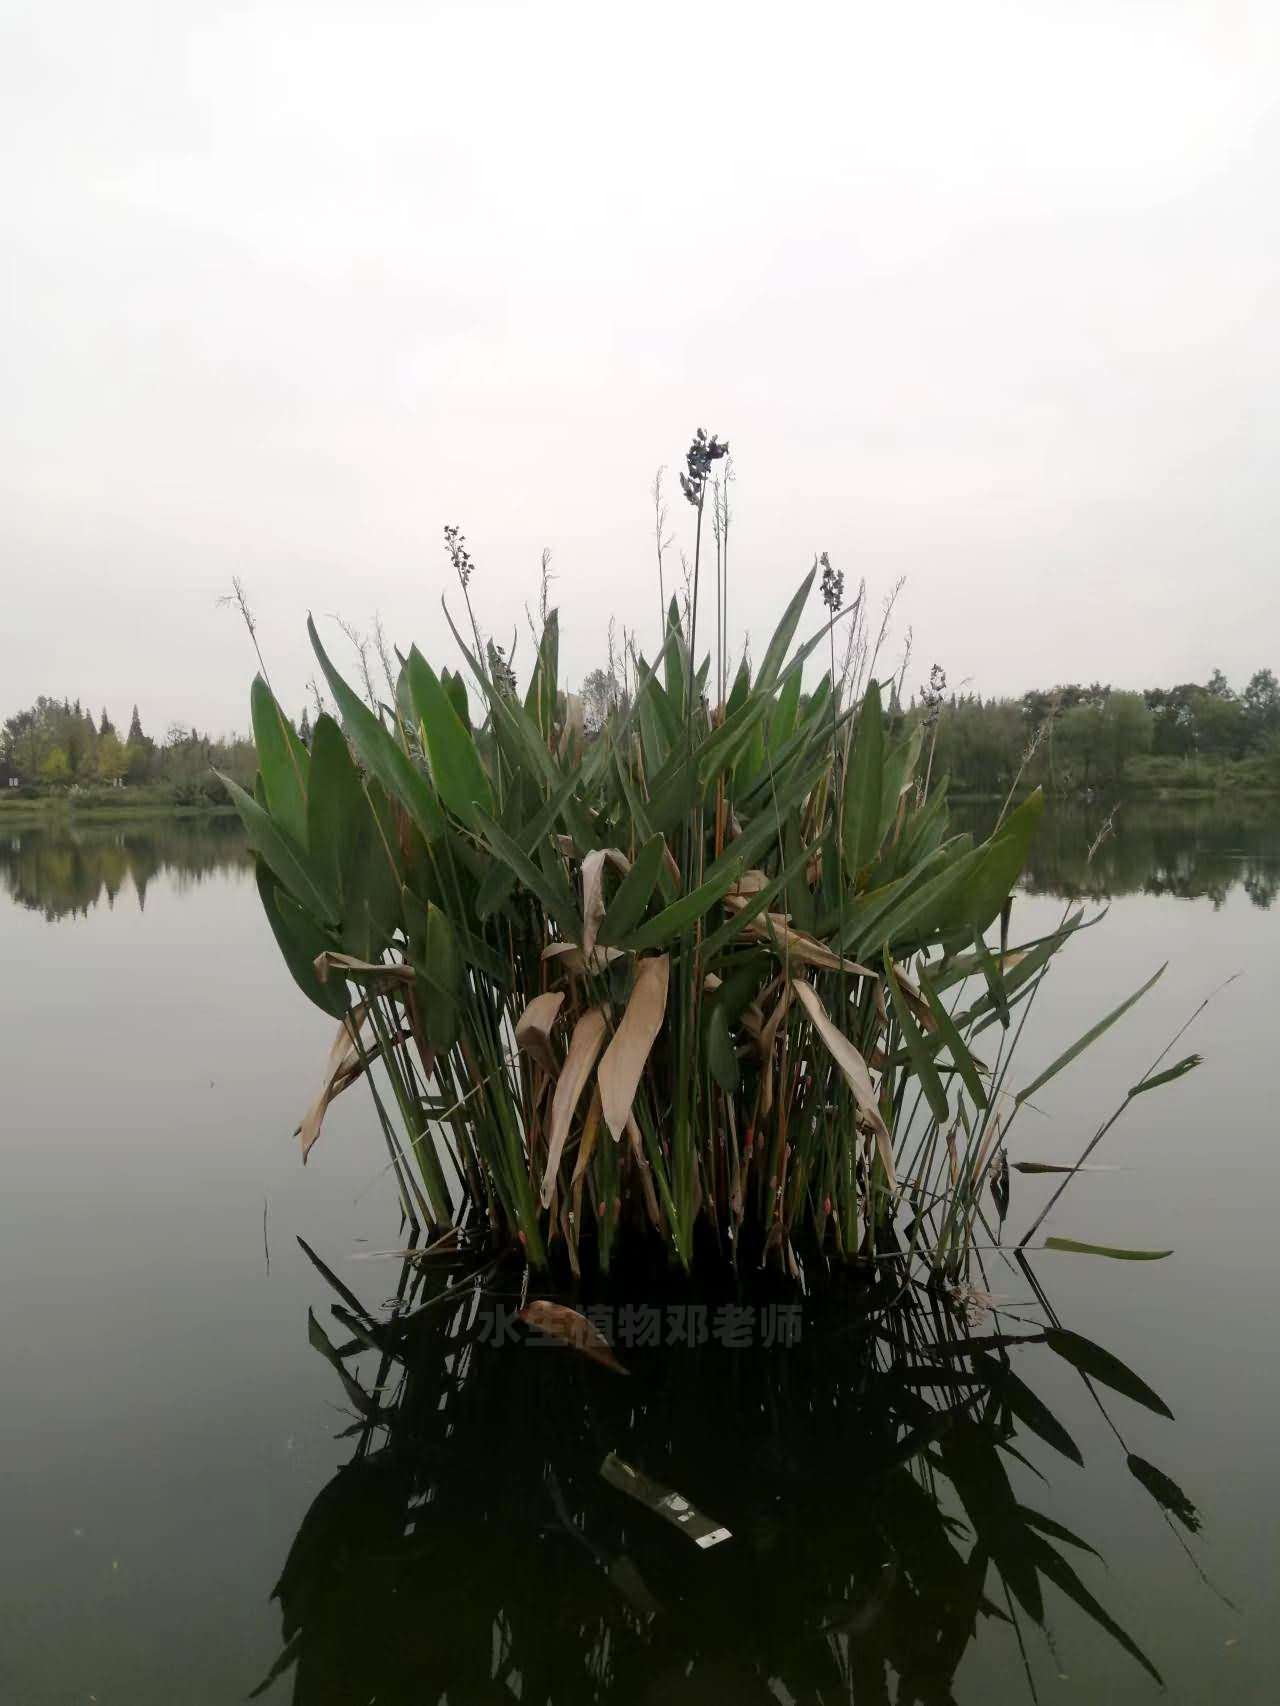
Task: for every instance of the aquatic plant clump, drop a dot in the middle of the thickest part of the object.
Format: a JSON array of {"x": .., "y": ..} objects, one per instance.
[{"x": 716, "y": 968}]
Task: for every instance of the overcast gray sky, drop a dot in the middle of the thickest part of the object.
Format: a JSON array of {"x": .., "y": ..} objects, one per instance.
[{"x": 985, "y": 295}]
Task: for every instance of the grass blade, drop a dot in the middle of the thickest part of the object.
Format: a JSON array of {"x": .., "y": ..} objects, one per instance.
[
  {"x": 1074, "y": 1244},
  {"x": 1090, "y": 1036}
]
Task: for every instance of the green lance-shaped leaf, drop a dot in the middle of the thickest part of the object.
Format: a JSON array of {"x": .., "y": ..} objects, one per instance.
[
  {"x": 353, "y": 842},
  {"x": 283, "y": 761},
  {"x": 522, "y": 746},
  {"x": 1168, "y": 1076},
  {"x": 300, "y": 938},
  {"x": 685, "y": 775},
  {"x": 740, "y": 689},
  {"x": 996, "y": 867},
  {"x": 993, "y": 977},
  {"x": 766, "y": 829},
  {"x": 540, "y": 701},
  {"x": 1101, "y": 1365},
  {"x": 1080, "y": 1249},
  {"x": 912, "y": 909},
  {"x": 633, "y": 893},
  {"x": 380, "y": 754},
  {"x": 1090, "y": 1036},
  {"x": 456, "y": 688},
  {"x": 675, "y": 660},
  {"x": 682, "y": 913},
  {"x": 776, "y": 654},
  {"x": 925, "y": 827},
  {"x": 500, "y": 879},
  {"x": 1059, "y": 1167},
  {"x": 554, "y": 893},
  {"x": 456, "y": 769},
  {"x": 921, "y": 1058},
  {"x": 440, "y": 975},
  {"x": 782, "y": 716},
  {"x": 899, "y": 768},
  {"x": 863, "y": 788},
  {"x": 955, "y": 1044},
  {"x": 293, "y": 867},
  {"x": 336, "y": 804},
  {"x": 722, "y": 1058}
]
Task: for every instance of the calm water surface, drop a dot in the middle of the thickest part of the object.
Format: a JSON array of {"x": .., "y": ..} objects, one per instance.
[{"x": 171, "y": 1437}]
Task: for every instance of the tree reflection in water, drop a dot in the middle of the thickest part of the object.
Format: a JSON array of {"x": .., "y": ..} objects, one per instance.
[
  {"x": 65, "y": 870},
  {"x": 1151, "y": 847},
  {"x": 471, "y": 1549}
]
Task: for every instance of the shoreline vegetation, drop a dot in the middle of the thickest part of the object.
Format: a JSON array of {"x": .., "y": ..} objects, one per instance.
[
  {"x": 55, "y": 755},
  {"x": 1190, "y": 783},
  {"x": 702, "y": 968},
  {"x": 107, "y": 806},
  {"x": 1086, "y": 744},
  {"x": 1077, "y": 744}
]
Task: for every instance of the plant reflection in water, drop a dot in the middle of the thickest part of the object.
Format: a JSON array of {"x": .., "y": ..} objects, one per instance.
[{"x": 473, "y": 1549}]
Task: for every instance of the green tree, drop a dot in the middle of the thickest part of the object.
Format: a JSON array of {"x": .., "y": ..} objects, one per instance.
[
  {"x": 1129, "y": 729},
  {"x": 1221, "y": 727},
  {"x": 1261, "y": 702},
  {"x": 54, "y": 766},
  {"x": 111, "y": 758}
]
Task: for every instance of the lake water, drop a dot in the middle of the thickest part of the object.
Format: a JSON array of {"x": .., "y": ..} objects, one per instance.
[{"x": 171, "y": 1436}]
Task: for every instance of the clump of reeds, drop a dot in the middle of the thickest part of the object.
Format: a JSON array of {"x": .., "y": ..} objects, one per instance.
[{"x": 718, "y": 970}]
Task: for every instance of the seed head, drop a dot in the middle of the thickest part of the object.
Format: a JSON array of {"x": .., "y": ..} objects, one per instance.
[
  {"x": 832, "y": 584},
  {"x": 933, "y": 695},
  {"x": 702, "y": 452},
  {"x": 455, "y": 544}
]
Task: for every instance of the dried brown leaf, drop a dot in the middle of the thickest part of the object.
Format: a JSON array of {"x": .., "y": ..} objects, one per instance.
[
  {"x": 854, "y": 1069},
  {"x": 593, "y": 902},
  {"x": 769, "y": 1032},
  {"x": 646, "y": 1173},
  {"x": 590, "y": 1131},
  {"x": 624, "y": 1059},
  {"x": 800, "y": 948},
  {"x": 533, "y": 1028},
  {"x": 342, "y": 1068},
  {"x": 749, "y": 883},
  {"x": 558, "y": 1321},
  {"x": 570, "y": 958},
  {"x": 584, "y": 1046},
  {"x": 362, "y": 971}
]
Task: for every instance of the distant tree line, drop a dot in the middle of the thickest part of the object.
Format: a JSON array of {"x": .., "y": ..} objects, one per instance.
[
  {"x": 57, "y": 743},
  {"x": 1071, "y": 740},
  {"x": 1080, "y": 740}
]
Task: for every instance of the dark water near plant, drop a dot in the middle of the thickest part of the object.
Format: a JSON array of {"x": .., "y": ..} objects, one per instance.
[{"x": 171, "y": 1436}]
